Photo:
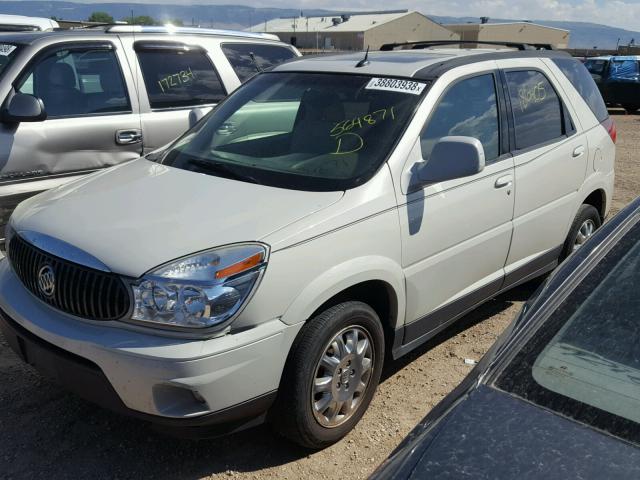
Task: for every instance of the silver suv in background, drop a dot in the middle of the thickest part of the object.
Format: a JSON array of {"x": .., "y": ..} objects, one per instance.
[{"x": 79, "y": 100}]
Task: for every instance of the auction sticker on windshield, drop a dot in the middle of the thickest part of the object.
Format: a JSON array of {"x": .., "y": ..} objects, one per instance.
[{"x": 396, "y": 85}]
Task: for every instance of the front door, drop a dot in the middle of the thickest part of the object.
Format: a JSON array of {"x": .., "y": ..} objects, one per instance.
[
  {"x": 456, "y": 234},
  {"x": 92, "y": 121}
]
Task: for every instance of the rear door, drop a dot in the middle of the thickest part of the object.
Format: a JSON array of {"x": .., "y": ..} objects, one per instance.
[
  {"x": 550, "y": 166},
  {"x": 93, "y": 120}
]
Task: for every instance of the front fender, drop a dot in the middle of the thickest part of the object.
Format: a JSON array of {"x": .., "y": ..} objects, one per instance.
[{"x": 343, "y": 276}]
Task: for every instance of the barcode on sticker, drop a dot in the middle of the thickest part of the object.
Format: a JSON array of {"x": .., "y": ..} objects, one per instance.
[{"x": 396, "y": 85}]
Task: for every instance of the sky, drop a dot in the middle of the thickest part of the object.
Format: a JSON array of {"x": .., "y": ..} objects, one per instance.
[{"x": 617, "y": 13}]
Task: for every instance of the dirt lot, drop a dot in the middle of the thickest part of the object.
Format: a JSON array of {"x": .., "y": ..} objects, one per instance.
[{"x": 45, "y": 432}]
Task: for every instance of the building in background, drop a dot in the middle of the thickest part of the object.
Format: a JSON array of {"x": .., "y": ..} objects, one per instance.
[
  {"x": 355, "y": 31},
  {"x": 522, "y": 32}
]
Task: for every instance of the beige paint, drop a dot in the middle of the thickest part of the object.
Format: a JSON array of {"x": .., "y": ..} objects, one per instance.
[
  {"x": 513, "y": 32},
  {"x": 412, "y": 27}
]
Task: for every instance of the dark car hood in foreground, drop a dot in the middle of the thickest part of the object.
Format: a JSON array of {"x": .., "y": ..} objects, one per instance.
[{"x": 492, "y": 435}]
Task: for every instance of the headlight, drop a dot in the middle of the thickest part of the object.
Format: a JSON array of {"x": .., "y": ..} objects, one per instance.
[{"x": 200, "y": 291}]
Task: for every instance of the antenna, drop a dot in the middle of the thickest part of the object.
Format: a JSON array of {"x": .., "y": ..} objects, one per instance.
[{"x": 365, "y": 61}]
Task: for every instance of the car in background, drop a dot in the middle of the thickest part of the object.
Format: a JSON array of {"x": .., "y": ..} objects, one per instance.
[
  {"x": 618, "y": 78},
  {"x": 20, "y": 23},
  {"x": 558, "y": 396},
  {"x": 76, "y": 101}
]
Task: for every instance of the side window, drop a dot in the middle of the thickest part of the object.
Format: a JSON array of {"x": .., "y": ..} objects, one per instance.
[
  {"x": 469, "y": 109},
  {"x": 179, "y": 77},
  {"x": 537, "y": 110},
  {"x": 74, "y": 82},
  {"x": 247, "y": 59}
]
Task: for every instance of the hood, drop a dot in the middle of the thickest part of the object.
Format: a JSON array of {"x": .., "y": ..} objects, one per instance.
[{"x": 139, "y": 215}]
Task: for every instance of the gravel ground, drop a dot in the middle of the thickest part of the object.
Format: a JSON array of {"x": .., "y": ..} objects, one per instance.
[{"x": 47, "y": 433}]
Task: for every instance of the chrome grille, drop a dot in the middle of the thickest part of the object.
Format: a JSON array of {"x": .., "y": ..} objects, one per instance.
[{"x": 79, "y": 291}]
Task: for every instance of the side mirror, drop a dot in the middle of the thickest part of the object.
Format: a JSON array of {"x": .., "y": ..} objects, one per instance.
[
  {"x": 451, "y": 158},
  {"x": 24, "y": 108}
]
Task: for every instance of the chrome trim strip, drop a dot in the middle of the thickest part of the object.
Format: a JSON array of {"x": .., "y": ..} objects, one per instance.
[{"x": 63, "y": 250}]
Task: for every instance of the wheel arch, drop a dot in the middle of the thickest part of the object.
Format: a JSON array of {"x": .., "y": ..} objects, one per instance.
[
  {"x": 376, "y": 281},
  {"x": 597, "y": 199}
]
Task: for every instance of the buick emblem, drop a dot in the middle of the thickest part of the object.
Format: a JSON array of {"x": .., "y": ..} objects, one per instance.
[{"x": 47, "y": 281}]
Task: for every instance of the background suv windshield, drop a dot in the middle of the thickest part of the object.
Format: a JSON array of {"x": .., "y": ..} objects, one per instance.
[
  {"x": 300, "y": 130},
  {"x": 584, "y": 362}
]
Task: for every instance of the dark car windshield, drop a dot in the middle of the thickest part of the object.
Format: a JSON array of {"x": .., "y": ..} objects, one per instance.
[
  {"x": 305, "y": 131},
  {"x": 584, "y": 361}
]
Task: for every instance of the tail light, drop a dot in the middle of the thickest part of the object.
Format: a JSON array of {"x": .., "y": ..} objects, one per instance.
[{"x": 610, "y": 125}]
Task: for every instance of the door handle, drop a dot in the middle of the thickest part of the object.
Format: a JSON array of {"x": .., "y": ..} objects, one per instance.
[
  {"x": 128, "y": 137},
  {"x": 505, "y": 181},
  {"x": 579, "y": 151}
]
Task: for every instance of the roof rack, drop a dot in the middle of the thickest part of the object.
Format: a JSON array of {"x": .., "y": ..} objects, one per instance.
[
  {"x": 440, "y": 43},
  {"x": 187, "y": 31}
]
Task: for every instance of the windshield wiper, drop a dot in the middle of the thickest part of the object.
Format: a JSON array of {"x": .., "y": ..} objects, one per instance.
[{"x": 222, "y": 169}]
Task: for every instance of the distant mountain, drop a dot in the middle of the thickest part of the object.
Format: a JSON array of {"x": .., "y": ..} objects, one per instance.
[{"x": 583, "y": 35}]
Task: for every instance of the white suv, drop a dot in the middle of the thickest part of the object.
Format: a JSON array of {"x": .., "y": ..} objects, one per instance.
[{"x": 329, "y": 214}]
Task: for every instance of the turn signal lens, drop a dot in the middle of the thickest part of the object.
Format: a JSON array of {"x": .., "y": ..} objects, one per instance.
[{"x": 241, "y": 266}]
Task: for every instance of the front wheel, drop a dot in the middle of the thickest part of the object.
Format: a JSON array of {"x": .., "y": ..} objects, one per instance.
[
  {"x": 585, "y": 224},
  {"x": 331, "y": 375}
]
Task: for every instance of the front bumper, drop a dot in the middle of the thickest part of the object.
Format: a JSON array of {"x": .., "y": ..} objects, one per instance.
[{"x": 179, "y": 383}]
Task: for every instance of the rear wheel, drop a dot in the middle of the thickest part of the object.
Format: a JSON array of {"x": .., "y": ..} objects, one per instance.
[
  {"x": 331, "y": 375},
  {"x": 585, "y": 224}
]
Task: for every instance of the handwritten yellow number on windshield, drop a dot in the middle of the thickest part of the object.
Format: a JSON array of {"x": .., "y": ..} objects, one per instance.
[{"x": 362, "y": 121}]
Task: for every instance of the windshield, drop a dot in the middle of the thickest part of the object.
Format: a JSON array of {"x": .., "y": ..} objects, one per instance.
[
  {"x": 584, "y": 362},
  {"x": 306, "y": 131},
  {"x": 8, "y": 52}
]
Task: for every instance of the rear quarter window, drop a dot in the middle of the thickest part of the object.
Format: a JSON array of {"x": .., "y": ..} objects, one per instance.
[
  {"x": 583, "y": 82},
  {"x": 247, "y": 59}
]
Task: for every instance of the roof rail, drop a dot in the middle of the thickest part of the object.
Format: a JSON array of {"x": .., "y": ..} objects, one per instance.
[
  {"x": 440, "y": 43},
  {"x": 187, "y": 31}
]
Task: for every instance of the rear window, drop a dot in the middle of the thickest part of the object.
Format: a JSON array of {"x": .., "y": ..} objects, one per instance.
[
  {"x": 179, "y": 77},
  {"x": 247, "y": 59},
  {"x": 624, "y": 68},
  {"x": 584, "y": 361},
  {"x": 583, "y": 82},
  {"x": 537, "y": 110}
]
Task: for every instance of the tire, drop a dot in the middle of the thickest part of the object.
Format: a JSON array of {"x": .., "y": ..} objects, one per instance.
[
  {"x": 631, "y": 108},
  {"x": 295, "y": 415},
  {"x": 587, "y": 213}
]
